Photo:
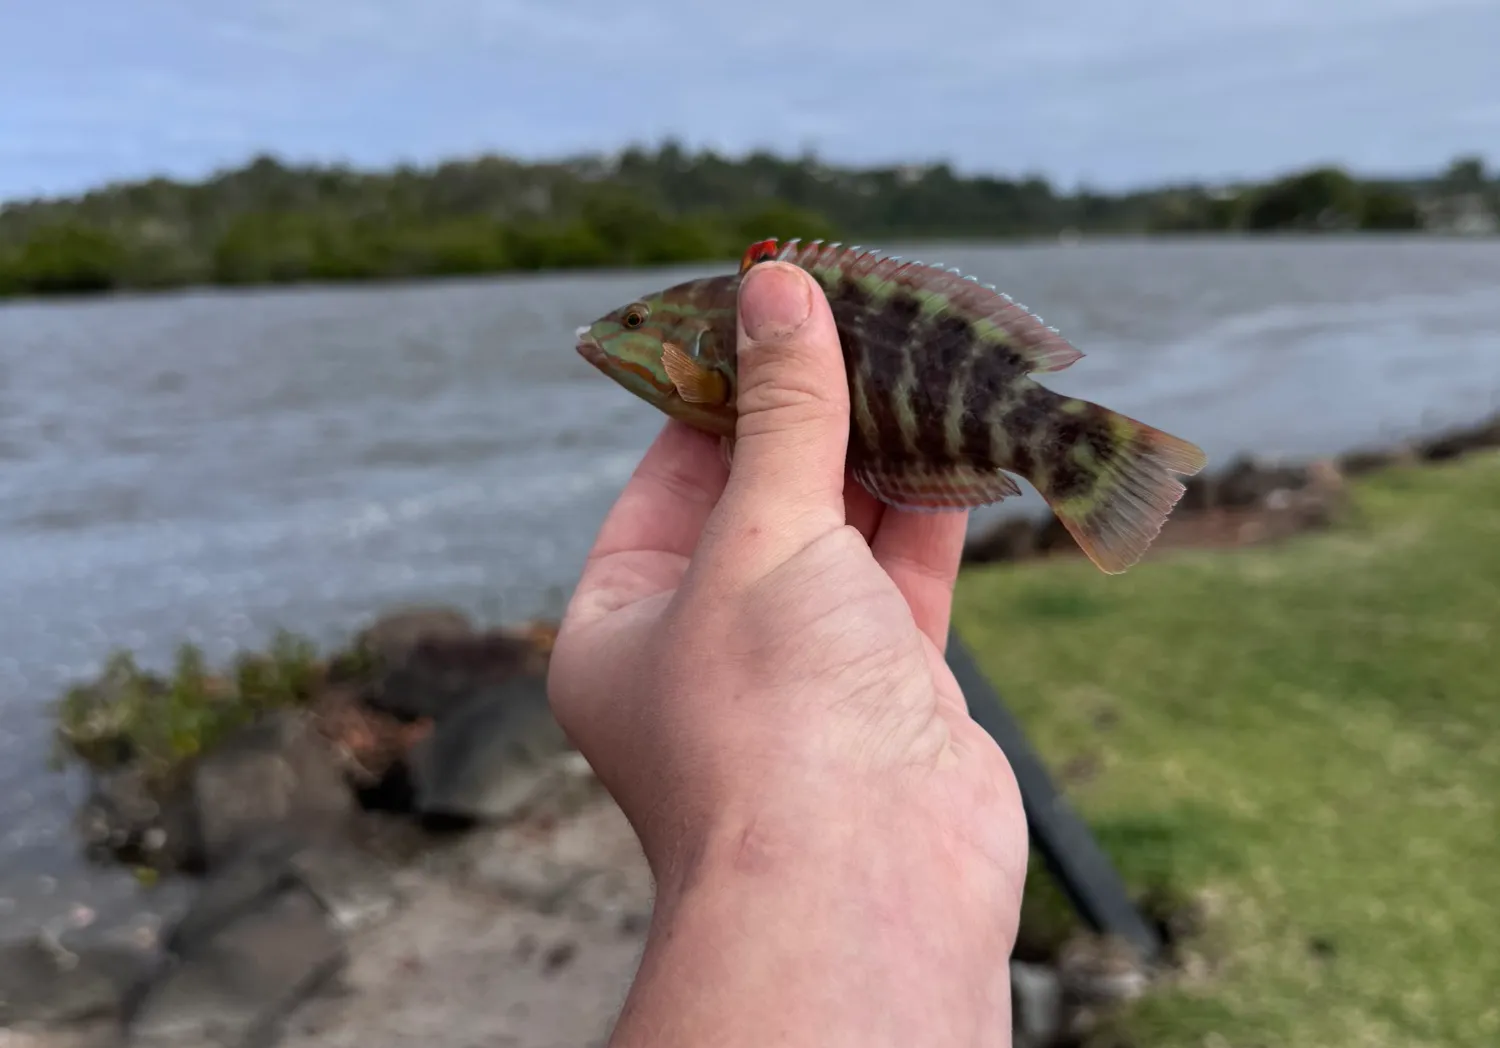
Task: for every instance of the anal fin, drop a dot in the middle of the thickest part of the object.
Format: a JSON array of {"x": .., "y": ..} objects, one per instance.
[{"x": 934, "y": 489}]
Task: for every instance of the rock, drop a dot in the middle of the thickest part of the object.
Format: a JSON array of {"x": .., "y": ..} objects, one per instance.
[
  {"x": 354, "y": 889},
  {"x": 494, "y": 757},
  {"x": 94, "y": 718},
  {"x": 1317, "y": 504},
  {"x": 589, "y": 866},
  {"x": 1197, "y": 494},
  {"x": 275, "y": 776},
  {"x": 371, "y": 746},
  {"x": 1460, "y": 441},
  {"x": 1324, "y": 498},
  {"x": 539, "y": 884},
  {"x": 97, "y": 1035},
  {"x": 1036, "y": 1004},
  {"x": 559, "y": 956},
  {"x": 1008, "y": 540},
  {"x": 391, "y": 637},
  {"x": 439, "y": 674},
  {"x": 235, "y": 983},
  {"x": 67, "y": 977},
  {"x": 1357, "y": 463},
  {"x": 125, "y": 820},
  {"x": 239, "y": 887},
  {"x": 1248, "y": 481},
  {"x": 1100, "y": 970},
  {"x": 1052, "y": 537},
  {"x": 357, "y": 892}
]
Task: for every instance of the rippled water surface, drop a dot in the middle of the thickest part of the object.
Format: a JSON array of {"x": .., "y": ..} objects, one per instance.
[{"x": 213, "y": 465}]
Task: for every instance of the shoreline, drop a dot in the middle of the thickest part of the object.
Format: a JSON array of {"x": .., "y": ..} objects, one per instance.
[
  {"x": 1247, "y": 501},
  {"x": 365, "y": 805},
  {"x": 1062, "y": 239}
]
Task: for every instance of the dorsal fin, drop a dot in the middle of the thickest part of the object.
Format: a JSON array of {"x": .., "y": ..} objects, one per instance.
[
  {"x": 757, "y": 252},
  {"x": 1040, "y": 345}
]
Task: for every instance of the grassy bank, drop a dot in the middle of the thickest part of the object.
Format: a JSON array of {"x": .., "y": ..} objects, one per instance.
[{"x": 1307, "y": 738}]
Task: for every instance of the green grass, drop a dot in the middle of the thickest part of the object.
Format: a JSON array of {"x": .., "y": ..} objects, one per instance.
[{"x": 1307, "y": 739}]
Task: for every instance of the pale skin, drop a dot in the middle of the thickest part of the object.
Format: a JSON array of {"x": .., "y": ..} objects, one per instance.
[{"x": 753, "y": 664}]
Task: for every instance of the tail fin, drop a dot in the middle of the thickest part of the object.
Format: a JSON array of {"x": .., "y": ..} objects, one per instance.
[{"x": 1110, "y": 481}]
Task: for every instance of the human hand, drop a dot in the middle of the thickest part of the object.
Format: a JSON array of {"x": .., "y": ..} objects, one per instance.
[{"x": 752, "y": 662}]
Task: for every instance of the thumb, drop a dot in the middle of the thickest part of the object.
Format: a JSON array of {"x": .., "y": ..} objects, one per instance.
[{"x": 787, "y": 471}]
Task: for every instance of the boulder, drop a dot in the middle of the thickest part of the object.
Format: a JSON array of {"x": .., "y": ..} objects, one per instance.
[
  {"x": 265, "y": 931},
  {"x": 1007, "y": 540},
  {"x": 277, "y": 776},
  {"x": 1101, "y": 970},
  {"x": 356, "y": 892},
  {"x": 127, "y": 819},
  {"x": 495, "y": 757},
  {"x": 1461, "y": 441},
  {"x": 1036, "y": 1005},
  {"x": 233, "y": 982},
  {"x": 1248, "y": 482},
  {"x": 371, "y": 746},
  {"x": 1369, "y": 460},
  {"x": 392, "y": 636},
  {"x": 231, "y": 891},
  {"x": 67, "y": 977},
  {"x": 437, "y": 675}
]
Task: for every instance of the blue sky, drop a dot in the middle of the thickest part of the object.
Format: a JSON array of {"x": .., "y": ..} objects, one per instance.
[{"x": 1115, "y": 92}]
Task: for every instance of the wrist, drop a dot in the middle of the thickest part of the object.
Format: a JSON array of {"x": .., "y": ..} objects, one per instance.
[{"x": 864, "y": 924}]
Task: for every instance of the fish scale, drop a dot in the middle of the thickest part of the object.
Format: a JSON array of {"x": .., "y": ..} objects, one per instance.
[{"x": 944, "y": 413}]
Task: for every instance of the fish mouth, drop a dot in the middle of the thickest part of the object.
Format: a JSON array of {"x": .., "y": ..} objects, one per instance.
[{"x": 588, "y": 348}]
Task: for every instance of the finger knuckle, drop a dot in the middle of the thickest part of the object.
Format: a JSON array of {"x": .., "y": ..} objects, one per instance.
[{"x": 785, "y": 396}]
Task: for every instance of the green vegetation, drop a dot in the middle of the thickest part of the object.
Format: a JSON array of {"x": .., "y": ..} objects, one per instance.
[
  {"x": 270, "y": 223},
  {"x": 133, "y": 716},
  {"x": 1300, "y": 741},
  {"x": 1306, "y": 739}
]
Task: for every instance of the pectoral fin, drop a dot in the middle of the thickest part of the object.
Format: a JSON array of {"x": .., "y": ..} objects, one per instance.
[{"x": 694, "y": 383}]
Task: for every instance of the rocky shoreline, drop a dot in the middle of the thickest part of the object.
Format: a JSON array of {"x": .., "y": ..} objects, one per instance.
[
  {"x": 1247, "y": 502},
  {"x": 406, "y": 810},
  {"x": 396, "y": 842}
]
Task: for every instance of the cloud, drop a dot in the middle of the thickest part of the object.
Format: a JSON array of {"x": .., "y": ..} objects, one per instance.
[{"x": 1112, "y": 92}]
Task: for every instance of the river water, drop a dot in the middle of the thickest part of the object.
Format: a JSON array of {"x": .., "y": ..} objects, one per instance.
[{"x": 213, "y": 465}]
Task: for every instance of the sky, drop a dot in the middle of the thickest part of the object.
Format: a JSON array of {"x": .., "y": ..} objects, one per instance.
[{"x": 1112, "y": 93}]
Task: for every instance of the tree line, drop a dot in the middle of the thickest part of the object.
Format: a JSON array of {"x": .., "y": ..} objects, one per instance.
[{"x": 270, "y": 222}]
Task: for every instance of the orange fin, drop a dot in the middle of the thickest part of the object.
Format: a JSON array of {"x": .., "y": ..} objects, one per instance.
[
  {"x": 757, "y": 252},
  {"x": 922, "y": 488},
  {"x": 695, "y": 383}
]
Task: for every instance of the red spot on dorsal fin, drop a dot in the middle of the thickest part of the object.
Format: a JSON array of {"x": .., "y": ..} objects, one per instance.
[{"x": 757, "y": 252}]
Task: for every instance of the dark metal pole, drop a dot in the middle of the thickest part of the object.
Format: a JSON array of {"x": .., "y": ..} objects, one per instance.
[{"x": 1070, "y": 852}]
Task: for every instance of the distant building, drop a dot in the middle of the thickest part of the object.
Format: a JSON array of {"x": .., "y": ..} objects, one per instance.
[{"x": 1462, "y": 214}]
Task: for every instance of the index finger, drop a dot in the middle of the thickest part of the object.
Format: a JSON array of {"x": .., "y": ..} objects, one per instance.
[
  {"x": 664, "y": 505},
  {"x": 921, "y": 553}
]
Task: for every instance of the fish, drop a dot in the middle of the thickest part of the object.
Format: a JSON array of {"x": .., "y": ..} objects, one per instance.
[{"x": 944, "y": 413}]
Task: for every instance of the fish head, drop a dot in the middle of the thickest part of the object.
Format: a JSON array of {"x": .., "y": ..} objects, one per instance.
[{"x": 631, "y": 344}]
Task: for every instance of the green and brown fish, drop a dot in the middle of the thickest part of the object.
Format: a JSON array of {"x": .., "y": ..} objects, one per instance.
[{"x": 942, "y": 405}]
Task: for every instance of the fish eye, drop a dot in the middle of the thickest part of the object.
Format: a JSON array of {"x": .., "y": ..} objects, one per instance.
[{"x": 635, "y": 316}]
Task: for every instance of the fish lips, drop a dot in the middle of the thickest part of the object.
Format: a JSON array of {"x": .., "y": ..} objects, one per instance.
[{"x": 589, "y": 349}]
